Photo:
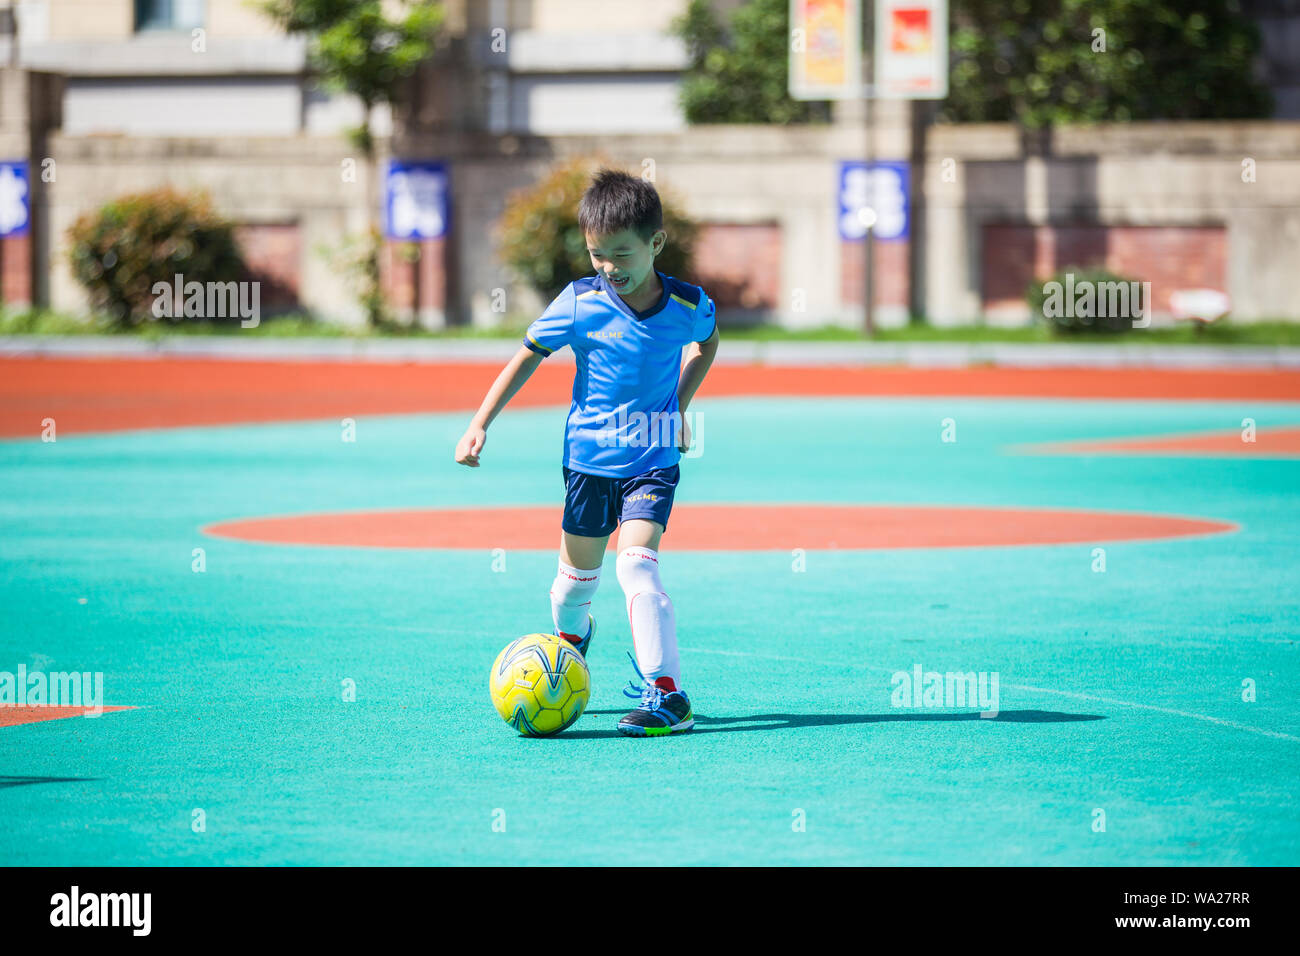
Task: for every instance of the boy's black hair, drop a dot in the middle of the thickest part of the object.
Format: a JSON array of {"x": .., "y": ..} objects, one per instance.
[{"x": 616, "y": 201}]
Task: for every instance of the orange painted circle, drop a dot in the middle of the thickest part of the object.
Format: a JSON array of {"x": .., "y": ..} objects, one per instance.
[{"x": 730, "y": 527}]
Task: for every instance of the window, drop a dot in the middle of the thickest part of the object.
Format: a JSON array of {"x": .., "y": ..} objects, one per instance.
[{"x": 168, "y": 14}]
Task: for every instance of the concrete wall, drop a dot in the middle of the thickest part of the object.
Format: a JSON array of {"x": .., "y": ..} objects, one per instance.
[
  {"x": 1141, "y": 174},
  {"x": 556, "y": 105},
  {"x": 733, "y": 175},
  {"x": 175, "y": 106},
  {"x": 767, "y": 198},
  {"x": 1178, "y": 176},
  {"x": 282, "y": 181}
]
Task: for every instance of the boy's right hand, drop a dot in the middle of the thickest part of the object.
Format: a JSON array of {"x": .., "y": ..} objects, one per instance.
[{"x": 469, "y": 446}]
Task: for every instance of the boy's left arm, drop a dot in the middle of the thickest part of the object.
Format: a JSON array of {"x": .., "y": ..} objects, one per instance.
[{"x": 699, "y": 356}]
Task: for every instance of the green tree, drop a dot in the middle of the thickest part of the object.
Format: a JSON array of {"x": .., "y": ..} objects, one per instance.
[
  {"x": 741, "y": 74},
  {"x": 357, "y": 48},
  {"x": 1041, "y": 63}
]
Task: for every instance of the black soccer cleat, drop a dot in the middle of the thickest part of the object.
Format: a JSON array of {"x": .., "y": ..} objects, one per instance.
[{"x": 660, "y": 712}]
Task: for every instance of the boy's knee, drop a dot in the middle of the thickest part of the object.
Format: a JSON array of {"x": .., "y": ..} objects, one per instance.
[{"x": 638, "y": 570}]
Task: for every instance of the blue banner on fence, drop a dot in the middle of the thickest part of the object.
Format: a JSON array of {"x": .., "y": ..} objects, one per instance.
[
  {"x": 875, "y": 195},
  {"x": 415, "y": 200},
  {"x": 15, "y": 199}
]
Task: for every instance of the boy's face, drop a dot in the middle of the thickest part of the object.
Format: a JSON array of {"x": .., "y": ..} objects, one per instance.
[{"x": 625, "y": 259}]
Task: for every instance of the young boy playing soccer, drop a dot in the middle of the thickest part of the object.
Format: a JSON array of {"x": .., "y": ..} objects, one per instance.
[{"x": 627, "y": 325}]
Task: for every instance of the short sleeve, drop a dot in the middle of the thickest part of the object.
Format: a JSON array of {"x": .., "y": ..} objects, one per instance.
[
  {"x": 705, "y": 320},
  {"x": 553, "y": 329}
]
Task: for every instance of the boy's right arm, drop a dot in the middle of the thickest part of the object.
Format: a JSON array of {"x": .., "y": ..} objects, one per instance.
[{"x": 511, "y": 379}]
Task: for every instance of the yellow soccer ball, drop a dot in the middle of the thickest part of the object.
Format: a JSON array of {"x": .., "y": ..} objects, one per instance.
[{"x": 540, "y": 684}]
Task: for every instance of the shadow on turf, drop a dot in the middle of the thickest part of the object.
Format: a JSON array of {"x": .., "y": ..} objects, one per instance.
[
  {"x": 23, "y": 781},
  {"x": 712, "y": 725}
]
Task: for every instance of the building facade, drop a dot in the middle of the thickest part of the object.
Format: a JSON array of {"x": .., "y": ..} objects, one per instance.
[{"x": 106, "y": 97}]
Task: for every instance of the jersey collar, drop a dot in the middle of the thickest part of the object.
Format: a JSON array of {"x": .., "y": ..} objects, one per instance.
[{"x": 624, "y": 307}]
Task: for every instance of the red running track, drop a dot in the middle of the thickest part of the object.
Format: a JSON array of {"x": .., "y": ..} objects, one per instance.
[{"x": 116, "y": 394}]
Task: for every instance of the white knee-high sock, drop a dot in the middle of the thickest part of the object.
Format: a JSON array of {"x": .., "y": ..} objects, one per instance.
[
  {"x": 571, "y": 600},
  {"x": 650, "y": 613}
]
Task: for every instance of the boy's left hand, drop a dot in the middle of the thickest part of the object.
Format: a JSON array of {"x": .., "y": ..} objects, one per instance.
[{"x": 684, "y": 438}]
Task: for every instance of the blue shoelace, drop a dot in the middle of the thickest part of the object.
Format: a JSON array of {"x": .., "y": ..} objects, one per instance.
[{"x": 651, "y": 695}]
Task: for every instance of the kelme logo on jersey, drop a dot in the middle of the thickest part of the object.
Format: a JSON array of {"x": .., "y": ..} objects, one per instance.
[
  {"x": 657, "y": 429},
  {"x": 604, "y": 335}
]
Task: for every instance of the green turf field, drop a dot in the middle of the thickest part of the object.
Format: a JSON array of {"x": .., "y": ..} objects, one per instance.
[{"x": 1120, "y": 691}]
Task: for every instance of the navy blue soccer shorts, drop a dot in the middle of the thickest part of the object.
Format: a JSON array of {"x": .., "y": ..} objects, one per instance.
[{"x": 594, "y": 505}]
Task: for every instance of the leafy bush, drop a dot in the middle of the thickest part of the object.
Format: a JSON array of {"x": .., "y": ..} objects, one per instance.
[
  {"x": 1072, "y": 301},
  {"x": 541, "y": 241},
  {"x": 122, "y": 250}
]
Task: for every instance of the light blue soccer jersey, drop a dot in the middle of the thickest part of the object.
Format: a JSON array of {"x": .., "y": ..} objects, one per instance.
[{"x": 624, "y": 417}]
